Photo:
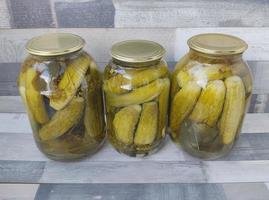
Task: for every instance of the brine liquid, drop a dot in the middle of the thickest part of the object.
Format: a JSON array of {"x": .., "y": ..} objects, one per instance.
[
  {"x": 203, "y": 141},
  {"x": 132, "y": 149}
]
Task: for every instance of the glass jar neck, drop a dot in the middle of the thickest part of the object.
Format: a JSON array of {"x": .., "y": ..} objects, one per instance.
[
  {"x": 59, "y": 57},
  {"x": 135, "y": 64},
  {"x": 196, "y": 55}
]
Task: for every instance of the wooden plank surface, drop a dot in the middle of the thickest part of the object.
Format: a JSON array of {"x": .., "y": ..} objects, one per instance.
[
  {"x": 235, "y": 191},
  {"x": 133, "y": 13},
  {"x": 190, "y": 13},
  {"x": 18, "y": 191},
  {"x": 134, "y": 172},
  {"x": 99, "y": 41},
  {"x": 168, "y": 191},
  {"x": 21, "y": 147}
]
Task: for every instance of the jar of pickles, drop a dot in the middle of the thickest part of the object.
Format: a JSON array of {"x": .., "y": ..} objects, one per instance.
[
  {"x": 61, "y": 88},
  {"x": 136, "y": 87},
  {"x": 211, "y": 88}
]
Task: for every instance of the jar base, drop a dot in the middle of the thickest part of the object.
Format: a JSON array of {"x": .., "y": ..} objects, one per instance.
[
  {"x": 130, "y": 151},
  {"x": 205, "y": 155},
  {"x": 200, "y": 140},
  {"x": 71, "y": 156}
]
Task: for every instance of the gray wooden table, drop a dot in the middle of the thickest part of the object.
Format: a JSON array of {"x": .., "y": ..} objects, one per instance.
[{"x": 25, "y": 173}]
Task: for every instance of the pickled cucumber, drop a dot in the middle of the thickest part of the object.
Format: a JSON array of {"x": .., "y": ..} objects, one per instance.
[
  {"x": 34, "y": 99},
  {"x": 137, "y": 96},
  {"x": 183, "y": 64},
  {"x": 22, "y": 85},
  {"x": 163, "y": 107},
  {"x": 70, "y": 81},
  {"x": 63, "y": 120},
  {"x": 182, "y": 105},
  {"x": 124, "y": 123},
  {"x": 183, "y": 77},
  {"x": 203, "y": 73},
  {"x": 93, "y": 119},
  {"x": 148, "y": 124},
  {"x": 122, "y": 83},
  {"x": 217, "y": 71},
  {"x": 234, "y": 108},
  {"x": 209, "y": 105}
]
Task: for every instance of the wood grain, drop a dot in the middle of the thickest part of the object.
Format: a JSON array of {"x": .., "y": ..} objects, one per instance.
[
  {"x": 133, "y": 191},
  {"x": 169, "y": 191},
  {"x": 12, "y": 41},
  {"x": 134, "y": 172},
  {"x": 18, "y": 191},
  {"x": 4, "y": 17},
  {"x": 191, "y": 13}
]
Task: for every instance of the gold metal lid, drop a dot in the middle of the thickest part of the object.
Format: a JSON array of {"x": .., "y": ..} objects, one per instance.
[
  {"x": 137, "y": 51},
  {"x": 54, "y": 44},
  {"x": 217, "y": 44}
]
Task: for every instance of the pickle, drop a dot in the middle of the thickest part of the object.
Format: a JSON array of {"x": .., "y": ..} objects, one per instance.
[
  {"x": 70, "y": 81},
  {"x": 233, "y": 110},
  {"x": 21, "y": 84},
  {"x": 124, "y": 123},
  {"x": 63, "y": 120},
  {"x": 148, "y": 124},
  {"x": 182, "y": 105},
  {"x": 209, "y": 105},
  {"x": 93, "y": 119},
  {"x": 148, "y": 75},
  {"x": 137, "y": 96},
  {"x": 118, "y": 84},
  {"x": 203, "y": 73},
  {"x": 182, "y": 65},
  {"x": 35, "y": 100},
  {"x": 217, "y": 71},
  {"x": 183, "y": 77},
  {"x": 163, "y": 107},
  {"x": 123, "y": 83}
]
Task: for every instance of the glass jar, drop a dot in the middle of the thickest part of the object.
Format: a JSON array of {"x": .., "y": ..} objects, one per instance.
[
  {"x": 211, "y": 88},
  {"x": 61, "y": 88},
  {"x": 136, "y": 87}
]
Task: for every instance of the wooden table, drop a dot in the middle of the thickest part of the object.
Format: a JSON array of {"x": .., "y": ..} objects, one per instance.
[{"x": 25, "y": 173}]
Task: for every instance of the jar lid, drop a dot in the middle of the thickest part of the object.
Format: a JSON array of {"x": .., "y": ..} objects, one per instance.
[
  {"x": 217, "y": 44},
  {"x": 54, "y": 44},
  {"x": 137, "y": 51}
]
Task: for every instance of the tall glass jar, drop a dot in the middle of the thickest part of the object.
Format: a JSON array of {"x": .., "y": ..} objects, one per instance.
[
  {"x": 136, "y": 87},
  {"x": 211, "y": 88},
  {"x": 61, "y": 88}
]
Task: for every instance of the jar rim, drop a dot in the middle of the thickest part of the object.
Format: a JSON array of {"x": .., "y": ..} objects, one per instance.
[
  {"x": 137, "y": 51},
  {"x": 217, "y": 44},
  {"x": 55, "y": 44}
]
